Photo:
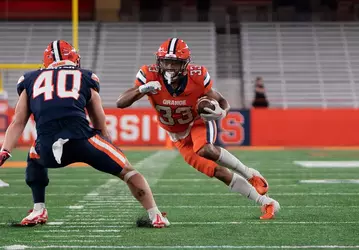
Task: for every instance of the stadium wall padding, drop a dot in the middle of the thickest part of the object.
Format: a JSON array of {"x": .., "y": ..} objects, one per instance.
[
  {"x": 256, "y": 127},
  {"x": 304, "y": 127}
]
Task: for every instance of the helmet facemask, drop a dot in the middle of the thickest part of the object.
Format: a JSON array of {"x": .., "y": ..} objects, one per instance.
[{"x": 172, "y": 68}]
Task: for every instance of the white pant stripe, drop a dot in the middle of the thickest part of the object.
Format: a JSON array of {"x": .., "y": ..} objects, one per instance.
[{"x": 109, "y": 148}]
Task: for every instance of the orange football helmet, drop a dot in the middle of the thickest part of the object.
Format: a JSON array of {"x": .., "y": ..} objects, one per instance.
[
  {"x": 60, "y": 50},
  {"x": 172, "y": 58}
]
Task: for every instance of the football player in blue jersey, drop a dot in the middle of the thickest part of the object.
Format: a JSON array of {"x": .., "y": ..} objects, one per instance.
[{"x": 58, "y": 96}]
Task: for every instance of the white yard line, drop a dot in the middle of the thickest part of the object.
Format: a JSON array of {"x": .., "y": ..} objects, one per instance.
[
  {"x": 109, "y": 220},
  {"x": 114, "y": 193},
  {"x": 76, "y": 207},
  {"x": 81, "y": 236},
  {"x": 109, "y": 196},
  {"x": 327, "y": 164},
  {"x": 90, "y": 226},
  {"x": 331, "y": 181},
  {"x": 21, "y": 247},
  {"x": 108, "y": 210}
]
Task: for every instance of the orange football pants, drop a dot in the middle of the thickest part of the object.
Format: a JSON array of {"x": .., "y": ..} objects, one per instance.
[{"x": 201, "y": 134}]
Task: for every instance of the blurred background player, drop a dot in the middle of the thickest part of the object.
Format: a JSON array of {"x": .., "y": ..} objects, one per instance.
[
  {"x": 260, "y": 97},
  {"x": 173, "y": 87},
  {"x": 57, "y": 96}
]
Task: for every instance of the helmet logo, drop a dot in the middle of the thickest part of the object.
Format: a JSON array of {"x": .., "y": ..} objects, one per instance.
[{"x": 161, "y": 49}]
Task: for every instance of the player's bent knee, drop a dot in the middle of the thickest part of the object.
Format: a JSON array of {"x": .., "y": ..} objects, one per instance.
[{"x": 209, "y": 151}]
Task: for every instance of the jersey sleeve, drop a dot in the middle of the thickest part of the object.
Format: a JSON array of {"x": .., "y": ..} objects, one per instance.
[
  {"x": 141, "y": 76},
  {"x": 22, "y": 83},
  {"x": 94, "y": 82},
  {"x": 207, "y": 81}
]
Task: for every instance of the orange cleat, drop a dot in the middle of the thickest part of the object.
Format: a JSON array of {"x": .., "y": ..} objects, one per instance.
[
  {"x": 269, "y": 210},
  {"x": 260, "y": 184}
]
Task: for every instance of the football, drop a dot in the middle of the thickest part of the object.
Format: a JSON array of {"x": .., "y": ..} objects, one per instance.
[{"x": 204, "y": 103}]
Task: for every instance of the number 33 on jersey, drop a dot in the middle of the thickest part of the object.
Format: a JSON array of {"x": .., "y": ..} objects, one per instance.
[
  {"x": 176, "y": 109},
  {"x": 65, "y": 89}
]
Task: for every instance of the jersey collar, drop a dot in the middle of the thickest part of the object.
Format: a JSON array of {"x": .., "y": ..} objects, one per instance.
[{"x": 180, "y": 89}]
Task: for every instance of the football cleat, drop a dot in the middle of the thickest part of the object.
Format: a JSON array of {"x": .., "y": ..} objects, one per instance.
[
  {"x": 269, "y": 210},
  {"x": 160, "y": 221},
  {"x": 3, "y": 184},
  {"x": 260, "y": 184},
  {"x": 35, "y": 217}
]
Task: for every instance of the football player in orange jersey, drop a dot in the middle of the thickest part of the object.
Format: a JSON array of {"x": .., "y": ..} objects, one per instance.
[{"x": 173, "y": 87}]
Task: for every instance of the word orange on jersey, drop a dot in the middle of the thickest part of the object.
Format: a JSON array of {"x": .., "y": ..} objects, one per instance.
[{"x": 176, "y": 109}]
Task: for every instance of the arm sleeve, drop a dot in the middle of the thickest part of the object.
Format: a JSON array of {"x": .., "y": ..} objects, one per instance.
[
  {"x": 141, "y": 76},
  {"x": 207, "y": 81}
]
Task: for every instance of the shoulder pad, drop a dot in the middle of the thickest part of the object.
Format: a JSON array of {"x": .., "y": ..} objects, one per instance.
[{"x": 147, "y": 73}]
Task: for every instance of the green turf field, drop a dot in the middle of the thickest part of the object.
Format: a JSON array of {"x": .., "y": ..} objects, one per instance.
[{"x": 91, "y": 210}]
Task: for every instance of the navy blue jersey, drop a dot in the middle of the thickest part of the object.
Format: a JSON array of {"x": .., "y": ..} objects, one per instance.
[{"x": 58, "y": 98}]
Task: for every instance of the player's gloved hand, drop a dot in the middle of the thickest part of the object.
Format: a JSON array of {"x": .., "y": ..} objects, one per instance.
[
  {"x": 4, "y": 155},
  {"x": 216, "y": 114},
  {"x": 151, "y": 86}
]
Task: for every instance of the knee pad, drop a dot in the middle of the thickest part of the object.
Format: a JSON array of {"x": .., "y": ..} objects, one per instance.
[{"x": 36, "y": 174}]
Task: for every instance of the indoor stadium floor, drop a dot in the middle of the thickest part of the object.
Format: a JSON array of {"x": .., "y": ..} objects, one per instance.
[{"x": 92, "y": 210}]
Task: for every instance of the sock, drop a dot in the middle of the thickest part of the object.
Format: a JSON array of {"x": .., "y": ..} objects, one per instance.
[
  {"x": 228, "y": 160},
  {"x": 242, "y": 186},
  {"x": 38, "y": 193},
  {"x": 152, "y": 213},
  {"x": 38, "y": 206}
]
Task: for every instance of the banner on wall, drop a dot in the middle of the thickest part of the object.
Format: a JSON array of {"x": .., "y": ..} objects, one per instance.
[
  {"x": 256, "y": 127},
  {"x": 305, "y": 127},
  {"x": 138, "y": 127},
  {"x": 234, "y": 129}
]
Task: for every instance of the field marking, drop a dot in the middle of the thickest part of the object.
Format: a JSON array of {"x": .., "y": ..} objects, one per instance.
[
  {"x": 111, "y": 219},
  {"x": 327, "y": 164},
  {"x": 76, "y": 207},
  {"x": 331, "y": 181},
  {"x": 152, "y": 167},
  {"x": 15, "y": 247},
  {"x": 55, "y": 223},
  {"x": 82, "y": 236},
  {"x": 231, "y": 194},
  {"x": 186, "y": 247},
  {"x": 113, "y": 223},
  {"x": 88, "y": 202},
  {"x": 88, "y": 226},
  {"x": 22, "y": 164},
  {"x": 244, "y": 206}
]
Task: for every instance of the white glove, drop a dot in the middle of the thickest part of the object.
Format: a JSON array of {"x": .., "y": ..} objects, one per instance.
[
  {"x": 216, "y": 114},
  {"x": 150, "y": 87}
]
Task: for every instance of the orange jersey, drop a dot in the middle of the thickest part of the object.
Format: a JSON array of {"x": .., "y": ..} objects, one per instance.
[{"x": 176, "y": 109}]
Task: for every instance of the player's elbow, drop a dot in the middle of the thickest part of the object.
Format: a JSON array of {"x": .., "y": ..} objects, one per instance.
[{"x": 121, "y": 103}]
